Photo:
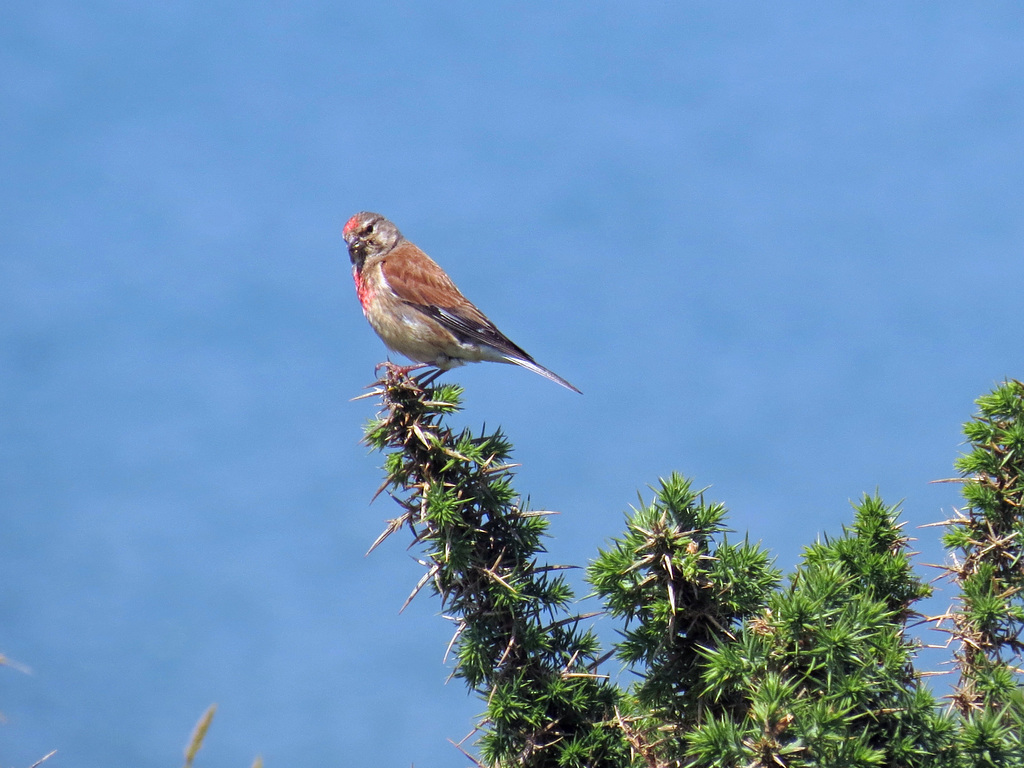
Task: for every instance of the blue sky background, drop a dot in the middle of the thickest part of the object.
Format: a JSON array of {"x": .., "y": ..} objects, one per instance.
[{"x": 779, "y": 249}]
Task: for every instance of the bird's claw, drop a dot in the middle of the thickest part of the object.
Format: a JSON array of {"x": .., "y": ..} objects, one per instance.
[{"x": 396, "y": 373}]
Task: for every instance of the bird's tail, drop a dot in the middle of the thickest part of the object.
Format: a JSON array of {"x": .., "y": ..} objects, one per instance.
[{"x": 531, "y": 365}]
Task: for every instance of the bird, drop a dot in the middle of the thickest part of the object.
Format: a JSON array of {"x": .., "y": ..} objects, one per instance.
[{"x": 417, "y": 310}]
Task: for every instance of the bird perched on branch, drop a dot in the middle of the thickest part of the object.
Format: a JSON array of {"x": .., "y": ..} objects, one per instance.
[{"x": 415, "y": 307}]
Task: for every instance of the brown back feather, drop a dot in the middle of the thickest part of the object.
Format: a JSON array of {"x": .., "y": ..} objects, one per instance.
[{"x": 417, "y": 279}]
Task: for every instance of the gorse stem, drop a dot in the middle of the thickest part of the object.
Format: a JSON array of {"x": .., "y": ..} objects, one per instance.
[
  {"x": 986, "y": 540},
  {"x": 516, "y": 642}
]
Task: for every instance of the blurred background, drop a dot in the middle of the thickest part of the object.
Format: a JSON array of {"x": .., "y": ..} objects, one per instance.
[{"x": 778, "y": 248}]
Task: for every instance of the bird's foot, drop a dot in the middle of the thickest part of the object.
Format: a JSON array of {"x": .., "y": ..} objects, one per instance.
[
  {"x": 394, "y": 374},
  {"x": 398, "y": 370}
]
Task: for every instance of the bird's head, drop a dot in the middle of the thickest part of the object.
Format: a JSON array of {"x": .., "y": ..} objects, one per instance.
[{"x": 369, "y": 234}]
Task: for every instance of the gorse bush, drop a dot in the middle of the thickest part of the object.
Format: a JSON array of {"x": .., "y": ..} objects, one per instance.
[{"x": 736, "y": 665}]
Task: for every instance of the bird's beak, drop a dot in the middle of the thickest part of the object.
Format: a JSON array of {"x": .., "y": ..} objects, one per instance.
[{"x": 355, "y": 252}]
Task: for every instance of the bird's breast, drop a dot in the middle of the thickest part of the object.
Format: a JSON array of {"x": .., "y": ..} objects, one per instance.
[{"x": 364, "y": 290}]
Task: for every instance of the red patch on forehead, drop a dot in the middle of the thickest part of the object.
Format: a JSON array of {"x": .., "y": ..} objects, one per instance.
[{"x": 351, "y": 224}]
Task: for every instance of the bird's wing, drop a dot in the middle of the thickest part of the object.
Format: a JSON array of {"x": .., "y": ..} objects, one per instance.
[{"x": 417, "y": 280}]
